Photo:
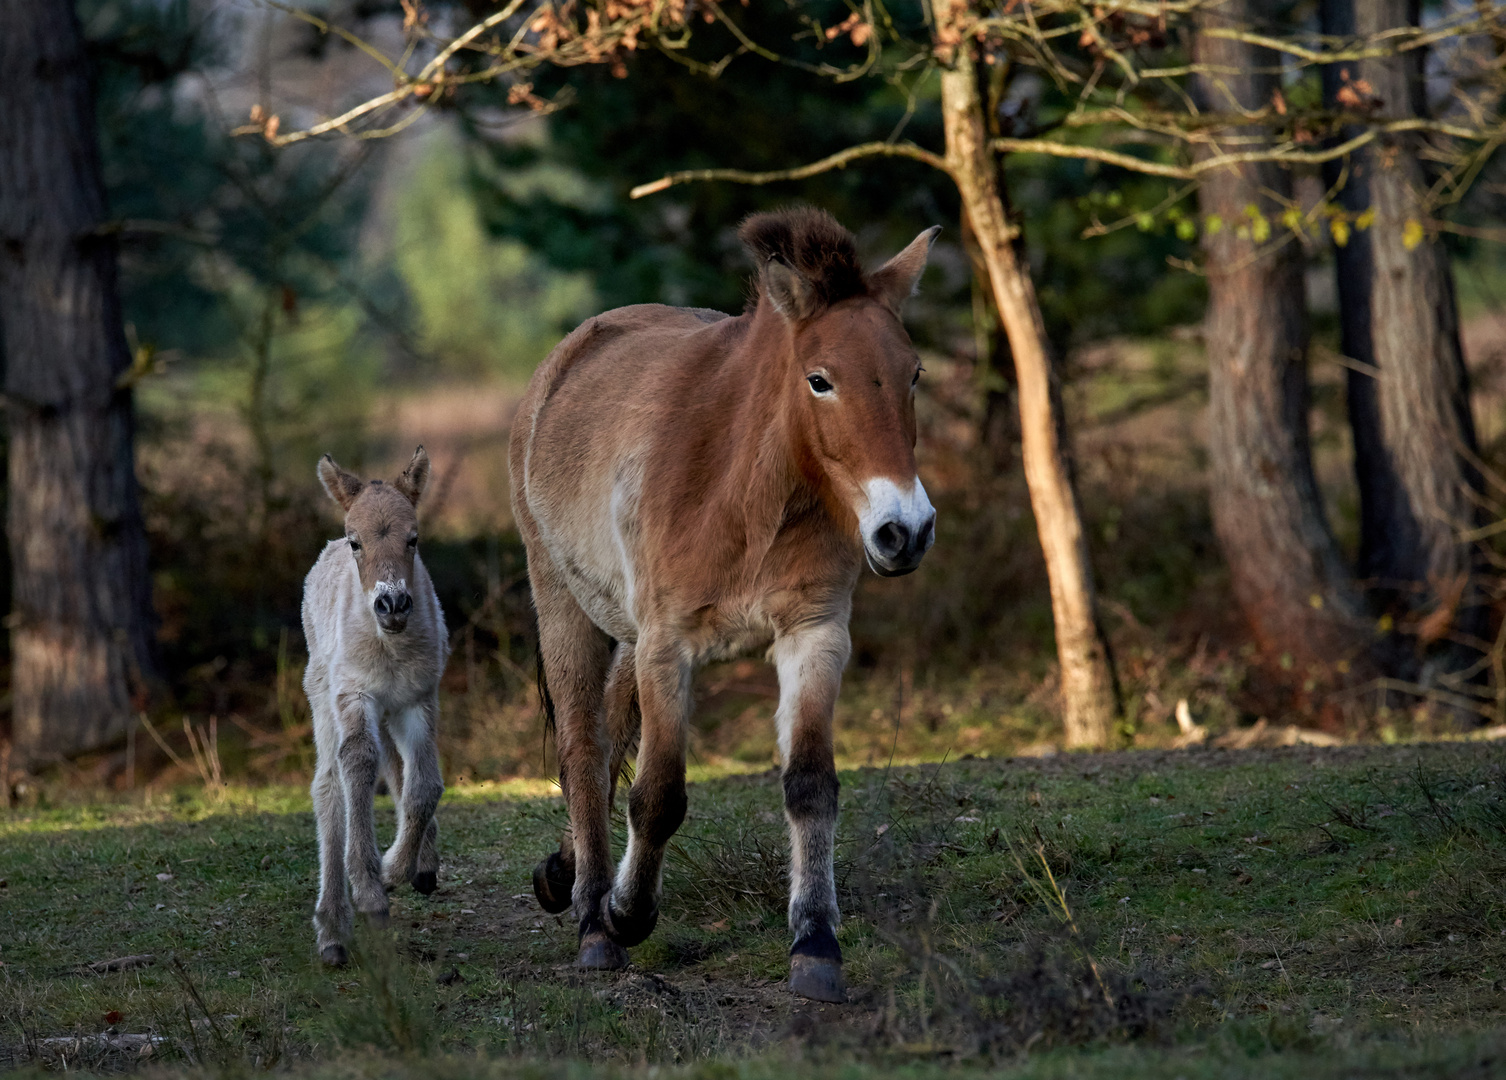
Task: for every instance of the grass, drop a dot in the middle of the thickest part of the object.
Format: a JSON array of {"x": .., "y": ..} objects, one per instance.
[{"x": 1200, "y": 913}]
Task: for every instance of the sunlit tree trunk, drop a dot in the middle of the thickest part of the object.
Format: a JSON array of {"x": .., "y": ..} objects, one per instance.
[
  {"x": 81, "y": 615},
  {"x": 1409, "y": 391},
  {"x": 1288, "y": 575},
  {"x": 1089, "y": 694}
]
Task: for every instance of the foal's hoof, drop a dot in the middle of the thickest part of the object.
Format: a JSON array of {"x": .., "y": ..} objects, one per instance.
[
  {"x": 552, "y": 883},
  {"x": 600, "y": 953},
  {"x": 818, "y": 978},
  {"x": 426, "y": 881},
  {"x": 627, "y": 930},
  {"x": 334, "y": 955}
]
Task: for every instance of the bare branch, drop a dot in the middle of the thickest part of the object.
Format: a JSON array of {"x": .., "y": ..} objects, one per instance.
[{"x": 835, "y": 161}]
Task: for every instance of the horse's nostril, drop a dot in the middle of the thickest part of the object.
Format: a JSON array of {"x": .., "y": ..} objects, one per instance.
[
  {"x": 404, "y": 604},
  {"x": 891, "y": 538},
  {"x": 927, "y": 531},
  {"x": 383, "y": 604}
]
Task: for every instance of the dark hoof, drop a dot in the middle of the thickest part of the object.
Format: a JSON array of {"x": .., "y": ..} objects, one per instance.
[
  {"x": 627, "y": 931},
  {"x": 553, "y": 881},
  {"x": 818, "y": 978},
  {"x": 334, "y": 955},
  {"x": 426, "y": 881},
  {"x": 600, "y": 953}
]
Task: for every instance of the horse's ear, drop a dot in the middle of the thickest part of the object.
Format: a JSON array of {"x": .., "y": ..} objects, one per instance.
[
  {"x": 896, "y": 280},
  {"x": 787, "y": 289},
  {"x": 342, "y": 486},
  {"x": 415, "y": 477}
]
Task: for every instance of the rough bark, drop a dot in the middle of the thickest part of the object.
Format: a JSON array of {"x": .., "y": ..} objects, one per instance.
[
  {"x": 1409, "y": 392},
  {"x": 80, "y": 624},
  {"x": 1089, "y": 693},
  {"x": 1288, "y": 575}
]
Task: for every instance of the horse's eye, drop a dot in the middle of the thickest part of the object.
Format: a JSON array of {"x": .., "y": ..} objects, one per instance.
[
  {"x": 819, "y": 384},
  {"x": 916, "y": 377},
  {"x": 413, "y": 541},
  {"x": 355, "y": 545}
]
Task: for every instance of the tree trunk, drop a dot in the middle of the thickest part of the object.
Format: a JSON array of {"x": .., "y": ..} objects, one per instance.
[
  {"x": 1089, "y": 692},
  {"x": 993, "y": 368},
  {"x": 80, "y": 624},
  {"x": 1409, "y": 399},
  {"x": 1288, "y": 575}
]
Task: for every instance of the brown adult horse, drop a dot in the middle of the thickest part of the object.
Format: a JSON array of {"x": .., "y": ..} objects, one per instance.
[{"x": 690, "y": 485}]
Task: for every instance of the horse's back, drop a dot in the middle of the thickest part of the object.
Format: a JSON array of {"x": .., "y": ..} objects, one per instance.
[{"x": 605, "y": 387}]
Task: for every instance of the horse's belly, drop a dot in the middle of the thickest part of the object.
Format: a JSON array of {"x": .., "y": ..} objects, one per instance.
[
  {"x": 605, "y": 606},
  {"x": 596, "y": 571}
]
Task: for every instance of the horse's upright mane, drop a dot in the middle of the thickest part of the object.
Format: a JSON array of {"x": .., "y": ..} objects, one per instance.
[{"x": 812, "y": 242}]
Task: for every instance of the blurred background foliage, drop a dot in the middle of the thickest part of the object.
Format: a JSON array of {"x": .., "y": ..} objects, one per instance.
[{"x": 358, "y": 297}]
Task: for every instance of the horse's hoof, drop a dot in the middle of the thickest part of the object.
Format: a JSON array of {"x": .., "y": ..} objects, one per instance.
[
  {"x": 334, "y": 955},
  {"x": 600, "y": 953},
  {"x": 426, "y": 881},
  {"x": 552, "y": 883},
  {"x": 818, "y": 978},
  {"x": 627, "y": 931},
  {"x": 377, "y": 920}
]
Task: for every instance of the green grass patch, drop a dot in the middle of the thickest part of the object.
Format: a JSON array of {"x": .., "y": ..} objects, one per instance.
[{"x": 1283, "y": 912}]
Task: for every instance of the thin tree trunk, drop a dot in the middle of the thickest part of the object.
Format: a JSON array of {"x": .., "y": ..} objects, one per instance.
[
  {"x": 1288, "y": 575},
  {"x": 80, "y": 624},
  {"x": 1409, "y": 398},
  {"x": 993, "y": 368},
  {"x": 1089, "y": 693}
]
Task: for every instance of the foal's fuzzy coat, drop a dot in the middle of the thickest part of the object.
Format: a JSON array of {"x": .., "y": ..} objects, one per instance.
[{"x": 377, "y": 647}]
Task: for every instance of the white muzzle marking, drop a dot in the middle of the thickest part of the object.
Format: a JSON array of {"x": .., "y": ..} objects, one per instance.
[{"x": 897, "y": 526}]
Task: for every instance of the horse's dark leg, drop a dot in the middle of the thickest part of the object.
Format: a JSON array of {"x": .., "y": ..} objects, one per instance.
[
  {"x": 656, "y": 803},
  {"x": 575, "y": 655},
  {"x": 810, "y": 666}
]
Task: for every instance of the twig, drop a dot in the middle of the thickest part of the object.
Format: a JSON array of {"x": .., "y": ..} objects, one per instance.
[{"x": 835, "y": 161}]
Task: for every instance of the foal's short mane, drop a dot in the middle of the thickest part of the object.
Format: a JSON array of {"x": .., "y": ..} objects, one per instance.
[{"x": 810, "y": 241}]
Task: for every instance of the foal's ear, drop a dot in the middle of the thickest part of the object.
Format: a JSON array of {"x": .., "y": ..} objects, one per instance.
[
  {"x": 415, "y": 477},
  {"x": 787, "y": 289},
  {"x": 342, "y": 486},
  {"x": 896, "y": 280}
]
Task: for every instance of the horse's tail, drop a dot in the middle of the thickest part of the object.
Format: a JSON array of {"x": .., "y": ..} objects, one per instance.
[{"x": 546, "y": 700}]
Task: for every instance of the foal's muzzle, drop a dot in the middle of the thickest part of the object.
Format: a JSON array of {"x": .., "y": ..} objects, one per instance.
[
  {"x": 895, "y": 548},
  {"x": 391, "y": 608}
]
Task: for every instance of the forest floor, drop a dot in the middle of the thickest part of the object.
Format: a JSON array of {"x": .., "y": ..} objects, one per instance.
[{"x": 1274, "y": 912}]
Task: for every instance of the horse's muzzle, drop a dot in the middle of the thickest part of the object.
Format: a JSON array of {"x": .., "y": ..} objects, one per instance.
[
  {"x": 391, "y": 608},
  {"x": 895, "y": 548}
]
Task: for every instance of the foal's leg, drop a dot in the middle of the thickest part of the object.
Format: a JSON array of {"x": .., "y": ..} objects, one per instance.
[
  {"x": 332, "y": 912},
  {"x": 359, "y": 757},
  {"x": 392, "y": 772},
  {"x": 810, "y": 664},
  {"x": 414, "y": 854},
  {"x": 575, "y": 655},
  {"x": 656, "y": 803}
]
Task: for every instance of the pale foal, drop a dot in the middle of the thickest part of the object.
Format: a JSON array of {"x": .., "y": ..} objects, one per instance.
[{"x": 377, "y": 648}]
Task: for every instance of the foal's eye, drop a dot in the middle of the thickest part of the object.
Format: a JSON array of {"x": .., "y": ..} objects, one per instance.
[
  {"x": 355, "y": 545},
  {"x": 819, "y": 384},
  {"x": 413, "y": 541}
]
